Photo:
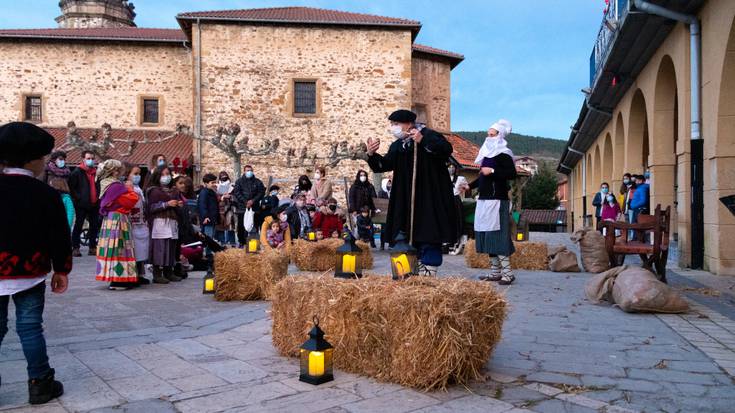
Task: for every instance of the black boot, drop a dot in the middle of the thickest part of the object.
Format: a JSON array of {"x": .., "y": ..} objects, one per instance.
[
  {"x": 168, "y": 272},
  {"x": 44, "y": 389},
  {"x": 140, "y": 270},
  {"x": 180, "y": 272},
  {"x": 158, "y": 277}
]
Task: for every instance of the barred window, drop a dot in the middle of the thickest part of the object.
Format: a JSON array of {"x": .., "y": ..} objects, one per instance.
[
  {"x": 150, "y": 110},
  {"x": 33, "y": 109},
  {"x": 305, "y": 97}
]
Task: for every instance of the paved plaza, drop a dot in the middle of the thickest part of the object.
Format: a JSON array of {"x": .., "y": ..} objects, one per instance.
[{"x": 171, "y": 349}]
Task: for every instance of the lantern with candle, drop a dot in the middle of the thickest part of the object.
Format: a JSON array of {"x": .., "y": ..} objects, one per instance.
[
  {"x": 252, "y": 246},
  {"x": 403, "y": 258},
  {"x": 310, "y": 234},
  {"x": 209, "y": 284},
  {"x": 522, "y": 231},
  {"x": 349, "y": 263},
  {"x": 316, "y": 357}
]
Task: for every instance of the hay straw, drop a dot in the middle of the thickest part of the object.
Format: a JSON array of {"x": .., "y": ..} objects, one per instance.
[
  {"x": 322, "y": 255},
  {"x": 528, "y": 256},
  {"x": 424, "y": 333},
  {"x": 242, "y": 276}
]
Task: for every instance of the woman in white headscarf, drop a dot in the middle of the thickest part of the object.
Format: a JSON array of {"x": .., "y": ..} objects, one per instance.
[{"x": 492, "y": 214}]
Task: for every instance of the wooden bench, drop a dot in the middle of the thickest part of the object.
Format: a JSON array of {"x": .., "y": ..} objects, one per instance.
[{"x": 653, "y": 254}]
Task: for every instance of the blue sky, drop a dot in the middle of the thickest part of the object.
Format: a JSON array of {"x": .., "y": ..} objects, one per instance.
[{"x": 525, "y": 60}]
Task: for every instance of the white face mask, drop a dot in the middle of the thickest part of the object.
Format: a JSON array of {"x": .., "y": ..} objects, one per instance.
[
  {"x": 165, "y": 180},
  {"x": 397, "y": 131},
  {"x": 363, "y": 178},
  {"x": 317, "y": 176}
]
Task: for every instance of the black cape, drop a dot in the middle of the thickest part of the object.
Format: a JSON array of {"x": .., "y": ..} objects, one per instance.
[{"x": 435, "y": 221}]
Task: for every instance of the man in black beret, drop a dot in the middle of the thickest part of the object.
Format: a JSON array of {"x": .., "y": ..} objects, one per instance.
[
  {"x": 34, "y": 240},
  {"x": 434, "y": 219}
]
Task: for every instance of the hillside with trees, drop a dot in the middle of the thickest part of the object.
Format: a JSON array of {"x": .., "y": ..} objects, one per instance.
[{"x": 534, "y": 146}]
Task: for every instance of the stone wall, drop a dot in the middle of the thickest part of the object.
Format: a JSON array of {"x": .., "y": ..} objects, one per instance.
[
  {"x": 93, "y": 83},
  {"x": 431, "y": 91},
  {"x": 247, "y": 76}
]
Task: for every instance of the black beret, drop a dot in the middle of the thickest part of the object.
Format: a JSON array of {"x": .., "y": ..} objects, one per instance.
[
  {"x": 403, "y": 116},
  {"x": 22, "y": 142}
]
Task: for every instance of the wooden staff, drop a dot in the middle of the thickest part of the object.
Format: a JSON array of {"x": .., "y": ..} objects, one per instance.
[{"x": 413, "y": 190}]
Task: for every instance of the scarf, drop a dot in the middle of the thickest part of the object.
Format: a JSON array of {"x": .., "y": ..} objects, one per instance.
[
  {"x": 53, "y": 170},
  {"x": 384, "y": 186},
  {"x": 105, "y": 174},
  {"x": 497, "y": 145},
  {"x": 90, "y": 172}
]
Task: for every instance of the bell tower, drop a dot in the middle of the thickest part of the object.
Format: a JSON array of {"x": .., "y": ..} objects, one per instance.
[{"x": 79, "y": 14}]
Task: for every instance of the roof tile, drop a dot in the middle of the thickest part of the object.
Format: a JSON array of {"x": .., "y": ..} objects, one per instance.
[
  {"x": 433, "y": 50},
  {"x": 111, "y": 33}
]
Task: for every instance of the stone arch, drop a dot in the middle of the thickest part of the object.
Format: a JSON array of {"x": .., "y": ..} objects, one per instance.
[
  {"x": 636, "y": 147},
  {"x": 607, "y": 161},
  {"x": 664, "y": 180},
  {"x": 726, "y": 107},
  {"x": 589, "y": 188},
  {"x": 619, "y": 149},
  {"x": 597, "y": 169}
]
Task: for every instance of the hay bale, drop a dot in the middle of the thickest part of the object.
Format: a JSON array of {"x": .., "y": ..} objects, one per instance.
[
  {"x": 322, "y": 255},
  {"x": 423, "y": 332},
  {"x": 242, "y": 276},
  {"x": 528, "y": 256}
]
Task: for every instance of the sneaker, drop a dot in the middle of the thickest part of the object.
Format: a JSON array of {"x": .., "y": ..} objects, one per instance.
[
  {"x": 76, "y": 253},
  {"x": 143, "y": 281},
  {"x": 44, "y": 389},
  {"x": 507, "y": 279}
]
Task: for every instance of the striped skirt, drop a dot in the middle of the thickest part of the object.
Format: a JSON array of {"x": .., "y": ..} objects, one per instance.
[
  {"x": 115, "y": 253},
  {"x": 497, "y": 242}
]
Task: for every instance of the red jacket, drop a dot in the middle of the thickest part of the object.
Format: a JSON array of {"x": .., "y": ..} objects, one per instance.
[{"x": 327, "y": 223}]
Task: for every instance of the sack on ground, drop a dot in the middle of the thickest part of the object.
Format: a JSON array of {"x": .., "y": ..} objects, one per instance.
[
  {"x": 635, "y": 289},
  {"x": 564, "y": 261},
  {"x": 592, "y": 249}
]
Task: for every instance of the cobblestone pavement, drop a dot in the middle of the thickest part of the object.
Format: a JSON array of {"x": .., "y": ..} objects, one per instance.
[{"x": 172, "y": 349}]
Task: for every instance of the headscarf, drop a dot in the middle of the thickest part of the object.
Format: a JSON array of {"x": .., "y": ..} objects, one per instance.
[
  {"x": 105, "y": 173},
  {"x": 497, "y": 145},
  {"x": 384, "y": 185}
]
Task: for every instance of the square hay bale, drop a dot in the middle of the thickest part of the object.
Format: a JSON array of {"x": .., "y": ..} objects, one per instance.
[
  {"x": 322, "y": 255},
  {"x": 423, "y": 332},
  {"x": 242, "y": 276},
  {"x": 528, "y": 256}
]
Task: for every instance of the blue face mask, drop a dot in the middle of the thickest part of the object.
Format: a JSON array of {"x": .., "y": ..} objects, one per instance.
[
  {"x": 604, "y": 190},
  {"x": 136, "y": 180},
  {"x": 248, "y": 174},
  {"x": 274, "y": 193},
  {"x": 647, "y": 175},
  {"x": 60, "y": 163},
  {"x": 89, "y": 162},
  {"x": 626, "y": 181},
  {"x": 161, "y": 162},
  {"x": 610, "y": 199}
]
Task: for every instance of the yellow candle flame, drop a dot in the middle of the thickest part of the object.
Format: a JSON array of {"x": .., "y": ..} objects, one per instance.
[
  {"x": 316, "y": 363},
  {"x": 253, "y": 245},
  {"x": 519, "y": 236},
  {"x": 312, "y": 236},
  {"x": 348, "y": 263},
  {"x": 401, "y": 263},
  {"x": 209, "y": 284}
]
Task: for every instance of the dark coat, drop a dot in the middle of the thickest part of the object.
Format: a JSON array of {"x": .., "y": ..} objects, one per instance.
[
  {"x": 597, "y": 203},
  {"x": 294, "y": 221},
  {"x": 248, "y": 189},
  {"x": 361, "y": 194},
  {"x": 268, "y": 205},
  {"x": 495, "y": 185},
  {"x": 79, "y": 189},
  {"x": 435, "y": 212},
  {"x": 208, "y": 206}
]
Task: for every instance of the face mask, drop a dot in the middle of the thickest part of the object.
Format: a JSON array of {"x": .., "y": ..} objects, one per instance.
[
  {"x": 274, "y": 193},
  {"x": 610, "y": 199},
  {"x": 89, "y": 162},
  {"x": 165, "y": 180},
  {"x": 299, "y": 204},
  {"x": 161, "y": 162},
  {"x": 333, "y": 208},
  {"x": 647, "y": 175},
  {"x": 626, "y": 181},
  {"x": 60, "y": 163},
  {"x": 451, "y": 171},
  {"x": 397, "y": 132},
  {"x": 136, "y": 180},
  {"x": 317, "y": 176},
  {"x": 248, "y": 174},
  {"x": 604, "y": 190},
  {"x": 282, "y": 217},
  {"x": 363, "y": 178}
]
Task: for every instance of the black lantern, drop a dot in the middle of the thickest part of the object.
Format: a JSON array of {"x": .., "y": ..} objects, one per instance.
[
  {"x": 252, "y": 246},
  {"x": 403, "y": 258},
  {"x": 349, "y": 263},
  {"x": 522, "y": 231},
  {"x": 310, "y": 234},
  {"x": 209, "y": 284},
  {"x": 316, "y": 357}
]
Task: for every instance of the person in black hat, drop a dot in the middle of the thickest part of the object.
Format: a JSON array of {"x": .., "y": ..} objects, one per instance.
[
  {"x": 35, "y": 239},
  {"x": 434, "y": 219}
]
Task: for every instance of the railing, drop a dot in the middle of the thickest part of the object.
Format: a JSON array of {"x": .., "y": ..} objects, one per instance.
[{"x": 611, "y": 23}]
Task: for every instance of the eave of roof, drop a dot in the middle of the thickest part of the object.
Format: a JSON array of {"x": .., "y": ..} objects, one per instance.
[
  {"x": 453, "y": 58},
  {"x": 128, "y": 34},
  {"x": 186, "y": 19}
]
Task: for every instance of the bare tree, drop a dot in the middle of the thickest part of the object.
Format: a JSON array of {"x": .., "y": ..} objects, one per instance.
[{"x": 226, "y": 140}]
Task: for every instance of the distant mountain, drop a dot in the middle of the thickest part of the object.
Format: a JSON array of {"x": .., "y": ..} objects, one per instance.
[{"x": 524, "y": 145}]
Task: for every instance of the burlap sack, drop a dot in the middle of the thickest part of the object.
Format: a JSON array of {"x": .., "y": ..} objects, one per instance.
[
  {"x": 634, "y": 289},
  {"x": 552, "y": 251},
  {"x": 564, "y": 261},
  {"x": 592, "y": 248}
]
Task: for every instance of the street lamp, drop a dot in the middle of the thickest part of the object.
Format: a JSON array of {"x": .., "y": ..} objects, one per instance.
[{"x": 316, "y": 357}]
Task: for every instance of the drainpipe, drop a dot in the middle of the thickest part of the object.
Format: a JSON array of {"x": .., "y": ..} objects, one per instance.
[
  {"x": 198, "y": 99},
  {"x": 697, "y": 144}
]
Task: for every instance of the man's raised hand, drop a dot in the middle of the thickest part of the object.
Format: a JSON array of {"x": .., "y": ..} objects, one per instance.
[{"x": 372, "y": 145}]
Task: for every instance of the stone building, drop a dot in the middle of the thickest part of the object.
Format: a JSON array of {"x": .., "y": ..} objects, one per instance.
[
  {"x": 662, "y": 98},
  {"x": 309, "y": 77}
]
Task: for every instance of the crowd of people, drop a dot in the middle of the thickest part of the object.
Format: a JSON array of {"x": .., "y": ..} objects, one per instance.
[{"x": 633, "y": 199}]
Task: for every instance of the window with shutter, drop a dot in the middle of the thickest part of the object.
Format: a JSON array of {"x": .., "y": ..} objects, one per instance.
[
  {"x": 150, "y": 110},
  {"x": 33, "y": 109},
  {"x": 305, "y": 97}
]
